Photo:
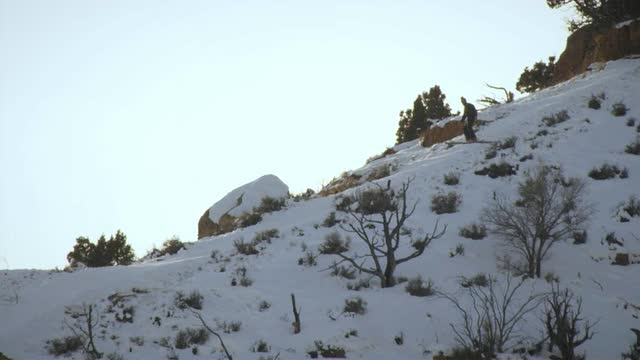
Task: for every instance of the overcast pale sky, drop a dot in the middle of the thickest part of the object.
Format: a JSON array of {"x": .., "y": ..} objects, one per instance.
[{"x": 139, "y": 115}]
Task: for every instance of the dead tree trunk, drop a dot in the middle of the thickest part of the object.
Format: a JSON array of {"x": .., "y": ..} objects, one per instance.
[{"x": 296, "y": 315}]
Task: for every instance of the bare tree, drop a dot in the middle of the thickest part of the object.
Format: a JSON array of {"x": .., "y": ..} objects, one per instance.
[
  {"x": 563, "y": 322},
  {"x": 85, "y": 320},
  {"x": 490, "y": 322},
  {"x": 490, "y": 100},
  {"x": 550, "y": 208},
  {"x": 209, "y": 329},
  {"x": 379, "y": 220}
]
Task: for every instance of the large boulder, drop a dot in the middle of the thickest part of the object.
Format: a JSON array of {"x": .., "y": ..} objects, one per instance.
[
  {"x": 438, "y": 134},
  {"x": 222, "y": 216},
  {"x": 590, "y": 45}
]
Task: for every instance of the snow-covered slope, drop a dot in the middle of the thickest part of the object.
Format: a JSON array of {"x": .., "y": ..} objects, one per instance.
[{"x": 33, "y": 302}]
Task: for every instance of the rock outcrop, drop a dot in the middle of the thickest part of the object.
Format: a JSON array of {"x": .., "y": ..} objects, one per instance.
[
  {"x": 438, "y": 134},
  {"x": 590, "y": 45},
  {"x": 223, "y": 215}
]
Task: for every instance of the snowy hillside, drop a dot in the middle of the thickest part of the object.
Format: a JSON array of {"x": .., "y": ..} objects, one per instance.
[{"x": 32, "y": 303}]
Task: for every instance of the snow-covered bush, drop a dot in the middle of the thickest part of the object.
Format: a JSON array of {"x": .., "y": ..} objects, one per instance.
[
  {"x": 326, "y": 351},
  {"x": 345, "y": 272},
  {"x": 631, "y": 122},
  {"x": 266, "y": 235},
  {"x": 359, "y": 285},
  {"x": 473, "y": 231},
  {"x": 269, "y": 204},
  {"x": 556, "y": 118},
  {"x": 446, "y": 203},
  {"x": 334, "y": 244},
  {"x": 64, "y": 345},
  {"x": 191, "y": 336},
  {"x": 619, "y": 109},
  {"x": 260, "y": 346},
  {"x": 356, "y": 305},
  {"x": 264, "y": 305},
  {"x": 633, "y": 148},
  {"x": 193, "y": 300},
  {"x": 245, "y": 248},
  {"x": 451, "y": 179},
  {"x": 330, "y": 220},
  {"x": 479, "y": 279},
  {"x": 308, "y": 259},
  {"x": 608, "y": 171},
  {"x": 418, "y": 287},
  {"x": 230, "y": 326},
  {"x": 508, "y": 143},
  {"x": 580, "y": 237},
  {"x": 249, "y": 219}
]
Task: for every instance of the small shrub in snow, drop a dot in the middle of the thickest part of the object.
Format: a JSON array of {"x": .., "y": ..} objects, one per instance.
[
  {"x": 629, "y": 209},
  {"x": 631, "y": 122},
  {"x": 594, "y": 103},
  {"x": 137, "y": 340},
  {"x": 551, "y": 278},
  {"x": 171, "y": 246},
  {"x": 619, "y": 109},
  {"x": 491, "y": 153},
  {"x": 330, "y": 220},
  {"x": 269, "y": 204},
  {"x": 244, "y": 281},
  {"x": 260, "y": 346},
  {"x": 464, "y": 353},
  {"x": 526, "y": 157},
  {"x": 355, "y": 305},
  {"x": 359, "y": 285},
  {"x": 473, "y": 231},
  {"x": 419, "y": 287},
  {"x": 375, "y": 200},
  {"x": 193, "y": 300},
  {"x": 230, "y": 327},
  {"x": 351, "y": 333},
  {"x": 446, "y": 203},
  {"x": 399, "y": 339},
  {"x": 343, "y": 203},
  {"x": 303, "y": 196},
  {"x": 245, "y": 248},
  {"x": 557, "y": 118},
  {"x": 266, "y": 235},
  {"x": 346, "y": 272},
  {"x": 451, "y": 179},
  {"x": 249, "y": 219},
  {"x": 633, "y": 148},
  {"x": 308, "y": 259},
  {"x": 508, "y": 143},
  {"x": 326, "y": 351},
  {"x": 190, "y": 336},
  {"x": 379, "y": 173},
  {"x": 580, "y": 237},
  {"x": 543, "y": 132},
  {"x": 264, "y": 305},
  {"x": 479, "y": 279},
  {"x": 634, "y": 349},
  {"x": 65, "y": 345},
  {"x": 459, "y": 250},
  {"x": 607, "y": 171},
  {"x": 334, "y": 244},
  {"x": 114, "y": 356},
  {"x": 497, "y": 170},
  {"x": 611, "y": 239},
  {"x": 387, "y": 152}
]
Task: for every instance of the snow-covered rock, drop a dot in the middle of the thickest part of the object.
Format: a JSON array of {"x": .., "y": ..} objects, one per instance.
[{"x": 241, "y": 200}]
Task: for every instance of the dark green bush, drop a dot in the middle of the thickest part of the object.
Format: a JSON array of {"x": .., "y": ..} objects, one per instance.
[
  {"x": 451, "y": 179},
  {"x": 326, "y": 351},
  {"x": 619, "y": 109},
  {"x": 633, "y": 148},
  {"x": 594, "y": 102},
  {"x": 172, "y": 246},
  {"x": 491, "y": 153},
  {"x": 269, "y": 204},
  {"x": 419, "y": 287},
  {"x": 607, "y": 171},
  {"x": 497, "y": 170},
  {"x": 631, "y": 122},
  {"x": 115, "y": 251},
  {"x": 446, "y": 203},
  {"x": 260, "y": 346},
  {"x": 249, "y": 219},
  {"x": 473, "y": 231},
  {"x": 540, "y": 76},
  {"x": 508, "y": 143}
]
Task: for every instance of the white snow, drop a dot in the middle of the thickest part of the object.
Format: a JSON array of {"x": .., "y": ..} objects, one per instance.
[
  {"x": 32, "y": 302},
  {"x": 246, "y": 197}
]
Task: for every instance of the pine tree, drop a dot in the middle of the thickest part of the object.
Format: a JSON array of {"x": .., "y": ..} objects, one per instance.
[
  {"x": 434, "y": 101},
  {"x": 404, "y": 134},
  {"x": 81, "y": 252},
  {"x": 119, "y": 252}
]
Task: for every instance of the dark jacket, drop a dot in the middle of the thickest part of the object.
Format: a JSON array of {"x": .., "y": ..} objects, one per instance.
[{"x": 470, "y": 114}]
